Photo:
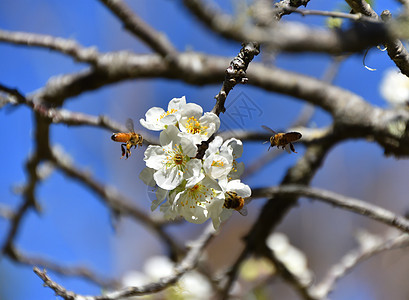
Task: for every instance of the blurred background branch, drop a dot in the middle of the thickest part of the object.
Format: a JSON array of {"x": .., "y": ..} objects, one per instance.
[{"x": 350, "y": 111}]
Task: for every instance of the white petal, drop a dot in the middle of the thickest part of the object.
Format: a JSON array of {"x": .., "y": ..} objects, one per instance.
[
  {"x": 243, "y": 190},
  {"x": 191, "y": 110},
  {"x": 169, "y": 120},
  {"x": 212, "y": 120},
  {"x": 177, "y": 103},
  {"x": 193, "y": 173},
  {"x": 188, "y": 146},
  {"x": 160, "y": 197},
  {"x": 214, "y": 146},
  {"x": 195, "y": 138},
  {"x": 168, "y": 178},
  {"x": 155, "y": 157},
  {"x": 169, "y": 135},
  {"x": 147, "y": 176},
  {"x": 217, "y": 166},
  {"x": 152, "y": 119},
  {"x": 236, "y": 145}
]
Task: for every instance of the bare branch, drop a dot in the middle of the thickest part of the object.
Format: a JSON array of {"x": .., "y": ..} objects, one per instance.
[
  {"x": 291, "y": 36},
  {"x": 333, "y": 14},
  {"x": 42, "y": 152},
  {"x": 68, "y": 47},
  {"x": 360, "y": 207},
  {"x": 58, "y": 289},
  {"x": 301, "y": 287},
  {"x": 187, "y": 264},
  {"x": 275, "y": 209},
  {"x": 353, "y": 258},
  {"x": 79, "y": 271},
  {"x": 396, "y": 51},
  {"x": 157, "y": 41}
]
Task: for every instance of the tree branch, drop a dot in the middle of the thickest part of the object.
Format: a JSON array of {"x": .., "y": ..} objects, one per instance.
[
  {"x": 352, "y": 259},
  {"x": 65, "y": 46},
  {"x": 360, "y": 207},
  {"x": 155, "y": 40},
  {"x": 187, "y": 264},
  {"x": 291, "y": 36},
  {"x": 396, "y": 51}
]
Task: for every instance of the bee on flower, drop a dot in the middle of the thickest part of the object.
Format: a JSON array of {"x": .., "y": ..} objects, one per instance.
[{"x": 195, "y": 188}]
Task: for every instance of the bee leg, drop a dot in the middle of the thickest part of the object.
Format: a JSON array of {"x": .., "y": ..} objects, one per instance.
[
  {"x": 292, "y": 148},
  {"x": 128, "y": 150},
  {"x": 123, "y": 150}
]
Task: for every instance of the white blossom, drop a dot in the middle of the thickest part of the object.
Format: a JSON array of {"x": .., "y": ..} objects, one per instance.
[
  {"x": 237, "y": 148},
  {"x": 195, "y": 126},
  {"x": 242, "y": 190},
  {"x": 184, "y": 185},
  {"x": 199, "y": 202},
  {"x": 218, "y": 164},
  {"x": 172, "y": 160},
  {"x": 395, "y": 88},
  {"x": 157, "y": 118}
]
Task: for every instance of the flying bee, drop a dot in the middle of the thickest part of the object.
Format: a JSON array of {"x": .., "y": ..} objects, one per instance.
[
  {"x": 129, "y": 139},
  {"x": 234, "y": 201},
  {"x": 283, "y": 139}
]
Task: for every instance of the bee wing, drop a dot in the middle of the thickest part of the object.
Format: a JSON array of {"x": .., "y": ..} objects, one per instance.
[
  {"x": 243, "y": 211},
  {"x": 268, "y": 129},
  {"x": 129, "y": 125},
  {"x": 293, "y": 136}
]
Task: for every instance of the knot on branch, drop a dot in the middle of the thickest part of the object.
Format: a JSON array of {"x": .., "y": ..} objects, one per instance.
[
  {"x": 397, "y": 141},
  {"x": 236, "y": 73},
  {"x": 298, "y": 3}
]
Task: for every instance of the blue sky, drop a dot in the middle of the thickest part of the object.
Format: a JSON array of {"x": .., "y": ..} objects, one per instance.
[{"x": 74, "y": 226}]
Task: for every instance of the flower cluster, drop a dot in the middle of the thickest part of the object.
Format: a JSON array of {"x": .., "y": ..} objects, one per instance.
[{"x": 193, "y": 188}]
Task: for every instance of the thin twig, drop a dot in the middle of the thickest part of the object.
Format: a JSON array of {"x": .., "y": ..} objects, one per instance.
[
  {"x": 157, "y": 41},
  {"x": 396, "y": 51},
  {"x": 352, "y": 259},
  {"x": 187, "y": 264},
  {"x": 73, "y": 271},
  {"x": 290, "y": 36},
  {"x": 360, "y": 207},
  {"x": 65, "y": 46}
]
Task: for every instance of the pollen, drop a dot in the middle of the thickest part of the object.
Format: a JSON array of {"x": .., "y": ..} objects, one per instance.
[
  {"x": 193, "y": 126},
  {"x": 169, "y": 112},
  {"x": 217, "y": 163}
]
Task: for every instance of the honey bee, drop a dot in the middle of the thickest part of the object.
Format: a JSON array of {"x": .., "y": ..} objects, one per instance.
[
  {"x": 283, "y": 139},
  {"x": 234, "y": 201},
  {"x": 129, "y": 139}
]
